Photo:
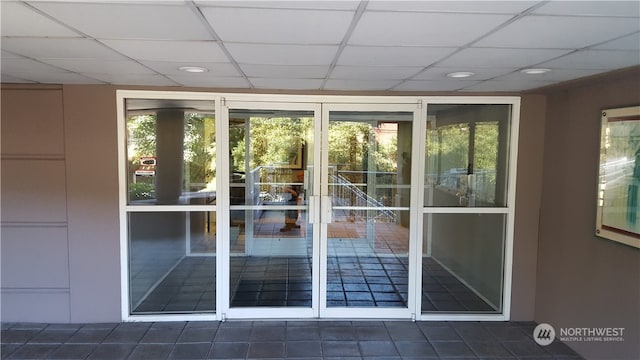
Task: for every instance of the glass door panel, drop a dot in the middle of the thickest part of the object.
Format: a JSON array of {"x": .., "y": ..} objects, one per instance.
[
  {"x": 271, "y": 240},
  {"x": 368, "y": 175}
]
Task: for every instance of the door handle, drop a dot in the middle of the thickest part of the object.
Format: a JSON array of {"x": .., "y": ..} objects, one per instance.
[{"x": 327, "y": 209}]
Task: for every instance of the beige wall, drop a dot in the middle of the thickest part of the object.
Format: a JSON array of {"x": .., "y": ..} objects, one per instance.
[
  {"x": 34, "y": 208},
  {"x": 60, "y": 247},
  {"x": 584, "y": 280},
  {"x": 91, "y": 146},
  {"x": 71, "y": 131},
  {"x": 528, "y": 193}
]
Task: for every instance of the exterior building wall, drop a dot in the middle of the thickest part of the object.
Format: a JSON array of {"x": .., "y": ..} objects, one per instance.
[
  {"x": 528, "y": 193},
  {"x": 583, "y": 280},
  {"x": 60, "y": 239},
  {"x": 35, "y": 259}
]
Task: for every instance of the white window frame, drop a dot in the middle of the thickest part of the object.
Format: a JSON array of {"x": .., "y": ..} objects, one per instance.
[{"x": 416, "y": 207}]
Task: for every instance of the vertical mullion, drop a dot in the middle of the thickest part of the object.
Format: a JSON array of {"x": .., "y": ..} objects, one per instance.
[
  {"x": 322, "y": 155},
  {"x": 122, "y": 195},
  {"x": 318, "y": 266},
  {"x": 222, "y": 205},
  {"x": 512, "y": 170},
  {"x": 417, "y": 203}
]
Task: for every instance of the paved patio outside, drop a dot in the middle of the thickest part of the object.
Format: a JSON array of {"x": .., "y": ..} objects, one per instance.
[{"x": 278, "y": 340}]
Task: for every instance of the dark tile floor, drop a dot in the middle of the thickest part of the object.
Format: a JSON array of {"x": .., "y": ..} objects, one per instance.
[
  {"x": 367, "y": 281},
  {"x": 189, "y": 287},
  {"x": 441, "y": 291},
  {"x": 278, "y": 340}
]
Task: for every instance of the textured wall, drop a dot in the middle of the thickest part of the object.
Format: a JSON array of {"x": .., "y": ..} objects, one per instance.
[
  {"x": 584, "y": 280},
  {"x": 35, "y": 260},
  {"x": 91, "y": 144},
  {"x": 528, "y": 193},
  {"x": 66, "y": 222}
]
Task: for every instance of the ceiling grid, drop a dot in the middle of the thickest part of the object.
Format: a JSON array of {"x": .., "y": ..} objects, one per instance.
[{"x": 311, "y": 45}]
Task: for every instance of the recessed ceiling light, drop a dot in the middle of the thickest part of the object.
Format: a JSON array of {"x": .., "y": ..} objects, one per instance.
[
  {"x": 193, "y": 69},
  {"x": 535, "y": 71},
  {"x": 460, "y": 74}
]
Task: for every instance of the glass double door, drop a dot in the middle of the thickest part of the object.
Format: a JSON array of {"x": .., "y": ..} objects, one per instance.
[{"x": 319, "y": 210}]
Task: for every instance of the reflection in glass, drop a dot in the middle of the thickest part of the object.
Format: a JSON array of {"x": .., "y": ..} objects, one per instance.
[
  {"x": 369, "y": 184},
  {"x": 170, "y": 152},
  {"x": 270, "y": 267},
  {"x": 271, "y": 241},
  {"x": 467, "y": 155},
  {"x": 172, "y": 262},
  {"x": 462, "y": 262}
]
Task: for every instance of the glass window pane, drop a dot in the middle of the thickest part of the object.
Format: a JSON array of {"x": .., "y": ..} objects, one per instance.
[
  {"x": 271, "y": 243},
  {"x": 172, "y": 262},
  {"x": 367, "y": 261},
  {"x": 270, "y": 152},
  {"x": 171, "y": 152},
  {"x": 270, "y": 267},
  {"x": 467, "y": 155},
  {"x": 368, "y": 243},
  {"x": 462, "y": 262}
]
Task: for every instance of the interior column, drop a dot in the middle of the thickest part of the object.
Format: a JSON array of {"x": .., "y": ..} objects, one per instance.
[{"x": 169, "y": 151}]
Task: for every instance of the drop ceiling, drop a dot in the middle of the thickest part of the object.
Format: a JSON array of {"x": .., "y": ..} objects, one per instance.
[{"x": 317, "y": 45}]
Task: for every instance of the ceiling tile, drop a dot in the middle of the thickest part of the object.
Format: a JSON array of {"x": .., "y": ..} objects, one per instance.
[
  {"x": 182, "y": 51},
  {"x": 279, "y": 26},
  {"x": 8, "y": 55},
  {"x": 590, "y": 8},
  {"x": 133, "y": 79},
  {"x": 374, "y": 72},
  {"x": 422, "y": 29},
  {"x": 100, "y": 66},
  {"x": 511, "y": 86},
  {"x": 596, "y": 59},
  {"x": 311, "y": 55},
  {"x": 134, "y": 21},
  {"x": 392, "y": 56},
  {"x": 22, "y": 65},
  {"x": 494, "y": 7},
  {"x": 493, "y": 57},
  {"x": 8, "y": 79},
  {"x": 210, "y": 81},
  {"x": 364, "y": 85},
  {"x": 41, "y": 48},
  {"x": 286, "y": 84},
  {"x": 278, "y": 71},
  {"x": 271, "y": 4},
  {"x": 172, "y": 68},
  {"x": 394, "y": 41},
  {"x": 559, "y": 32},
  {"x": 556, "y": 75},
  {"x": 20, "y": 20},
  {"x": 47, "y": 77},
  {"x": 434, "y": 85},
  {"x": 440, "y": 73},
  {"x": 631, "y": 42}
]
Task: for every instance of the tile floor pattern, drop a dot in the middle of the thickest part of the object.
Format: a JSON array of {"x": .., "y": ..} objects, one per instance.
[
  {"x": 286, "y": 281},
  {"x": 278, "y": 340}
]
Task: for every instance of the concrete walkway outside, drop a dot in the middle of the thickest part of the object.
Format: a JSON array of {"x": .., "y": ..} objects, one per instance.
[{"x": 278, "y": 340}]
